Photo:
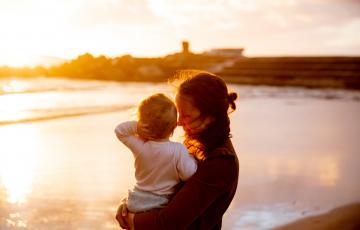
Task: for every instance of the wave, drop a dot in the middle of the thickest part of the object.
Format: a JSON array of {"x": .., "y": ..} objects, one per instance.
[
  {"x": 42, "y": 84},
  {"x": 53, "y": 89},
  {"x": 40, "y": 99},
  {"x": 45, "y": 115}
]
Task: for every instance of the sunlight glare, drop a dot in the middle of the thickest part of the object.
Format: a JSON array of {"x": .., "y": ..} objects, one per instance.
[
  {"x": 13, "y": 107},
  {"x": 325, "y": 167},
  {"x": 329, "y": 171},
  {"x": 18, "y": 160},
  {"x": 13, "y": 86},
  {"x": 26, "y": 36}
]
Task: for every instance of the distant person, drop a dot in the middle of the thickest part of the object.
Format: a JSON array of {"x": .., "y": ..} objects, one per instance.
[
  {"x": 203, "y": 103},
  {"x": 160, "y": 164}
]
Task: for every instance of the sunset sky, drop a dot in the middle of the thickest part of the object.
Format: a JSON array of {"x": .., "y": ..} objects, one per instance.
[{"x": 39, "y": 31}]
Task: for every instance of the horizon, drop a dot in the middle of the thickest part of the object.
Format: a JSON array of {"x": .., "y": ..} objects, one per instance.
[
  {"x": 49, "y": 31},
  {"x": 46, "y": 61}
]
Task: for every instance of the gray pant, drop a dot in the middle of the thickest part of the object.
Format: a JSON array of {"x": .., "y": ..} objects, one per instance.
[{"x": 141, "y": 201}]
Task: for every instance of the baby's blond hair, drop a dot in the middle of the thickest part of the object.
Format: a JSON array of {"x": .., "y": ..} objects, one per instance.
[{"x": 159, "y": 113}]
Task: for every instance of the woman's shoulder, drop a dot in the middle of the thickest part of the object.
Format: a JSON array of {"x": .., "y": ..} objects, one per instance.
[
  {"x": 223, "y": 151},
  {"x": 220, "y": 171},
  {"x": 223, "y": 156}
]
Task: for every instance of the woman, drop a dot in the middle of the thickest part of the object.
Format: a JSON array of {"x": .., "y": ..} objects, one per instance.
[{"x": 203, "y": 104}]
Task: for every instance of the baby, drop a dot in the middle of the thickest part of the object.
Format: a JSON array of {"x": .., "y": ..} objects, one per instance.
[{"x": 160, "y": 164}]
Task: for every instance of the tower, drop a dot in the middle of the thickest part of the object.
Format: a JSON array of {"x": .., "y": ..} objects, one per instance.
[{"x": 185, "y": 47}]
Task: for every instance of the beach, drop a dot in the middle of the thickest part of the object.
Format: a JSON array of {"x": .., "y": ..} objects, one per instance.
[
  {"x": 298, "y": 151},
  {"x": 345, "y": 217}
]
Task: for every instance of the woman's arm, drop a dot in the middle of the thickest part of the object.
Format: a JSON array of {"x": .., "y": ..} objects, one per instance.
[{"x": 199, "y": 192}]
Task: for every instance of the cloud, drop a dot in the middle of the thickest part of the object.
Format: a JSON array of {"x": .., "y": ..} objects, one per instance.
[
  {"x": 114, "y": 13},
  {"x": 156, "y": 27},
  {"x": 347, "y": 36}
]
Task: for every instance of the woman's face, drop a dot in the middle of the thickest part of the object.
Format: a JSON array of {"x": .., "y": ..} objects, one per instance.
[{"x": 188, "y": 113}]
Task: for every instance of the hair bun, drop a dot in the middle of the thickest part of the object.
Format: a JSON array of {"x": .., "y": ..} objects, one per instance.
[{"x": 231, "y": 98}]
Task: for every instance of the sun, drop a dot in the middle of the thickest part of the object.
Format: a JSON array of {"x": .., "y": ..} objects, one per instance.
[
  {"x": 34, "y": 29},
  {"x": 19, "y": 60}
]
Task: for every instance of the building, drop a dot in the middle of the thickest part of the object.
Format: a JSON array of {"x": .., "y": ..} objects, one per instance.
[{"x": 226, "y": 52}]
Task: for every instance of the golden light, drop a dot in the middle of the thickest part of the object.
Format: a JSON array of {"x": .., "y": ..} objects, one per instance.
[
  {"x": 34, "y": 30},
  {"x": 13, "y": 107},
  {"x": 31, "y": 30},
  {"x": 324, "y": 170},
  {"x": 18, "y": 160},
  {"x": 13, "y": 86},
  {"x": 19, "y": 60},
  {"x": 328, "y": 170}
]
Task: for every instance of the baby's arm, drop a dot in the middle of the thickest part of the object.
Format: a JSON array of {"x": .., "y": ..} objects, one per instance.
[
  {"x": 126, "y": 129},
  {"x": 186, "y": 165},
  {"x": 126, "y": 132}
]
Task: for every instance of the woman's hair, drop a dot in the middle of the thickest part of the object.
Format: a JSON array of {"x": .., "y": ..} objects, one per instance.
[
  {"x": 159, "y": 113},
  {"x": 210, "y": 95}
]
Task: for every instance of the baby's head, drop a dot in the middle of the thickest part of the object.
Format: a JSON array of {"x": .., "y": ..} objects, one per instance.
[{"x": 159, "y": 113}]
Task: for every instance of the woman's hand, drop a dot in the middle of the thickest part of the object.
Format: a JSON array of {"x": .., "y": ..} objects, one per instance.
[
  {"x": 124, "y": 217},
  {"x": 130, "y": 220}
]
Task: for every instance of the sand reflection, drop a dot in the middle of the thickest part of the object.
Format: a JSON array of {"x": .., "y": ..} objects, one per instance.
[
  {"x": 322, "y": 170},
  {"x": 18, "y": 160},
  {"x": 328, "y": 170}
]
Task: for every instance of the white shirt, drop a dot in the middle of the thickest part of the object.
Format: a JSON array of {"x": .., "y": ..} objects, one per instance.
[{"x": 159, "y": 165}]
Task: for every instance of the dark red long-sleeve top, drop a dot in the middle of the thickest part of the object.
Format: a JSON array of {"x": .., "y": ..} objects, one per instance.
[{"x": 204, "y": 198}]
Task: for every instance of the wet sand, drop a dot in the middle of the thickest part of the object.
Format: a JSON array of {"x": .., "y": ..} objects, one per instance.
[
  {"x": 298, "y": 158},
  {"x": 345, "y": 218}
]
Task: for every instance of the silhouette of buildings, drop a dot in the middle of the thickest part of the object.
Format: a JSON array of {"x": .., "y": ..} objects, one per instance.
[
  {"x": 227, "y": 52},
  {"x": 229, "y": 63}
]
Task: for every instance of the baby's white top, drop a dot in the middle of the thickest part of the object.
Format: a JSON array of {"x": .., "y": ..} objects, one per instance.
[{"x": 159, "y": 165}]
